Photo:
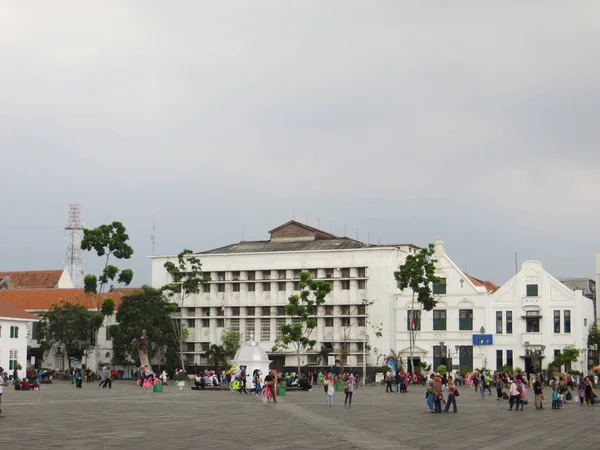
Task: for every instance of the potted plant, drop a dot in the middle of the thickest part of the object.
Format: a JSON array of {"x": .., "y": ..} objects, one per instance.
[{"x": 181, "y": 377}]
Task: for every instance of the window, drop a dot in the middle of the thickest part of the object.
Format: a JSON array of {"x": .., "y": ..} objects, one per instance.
[
  {"x": 281, "y": 310},
  {"x": 281, "y": 286},
  {"x": 221, "y": 288},
  {"x": 362, "y": 284},
  {"x": 361, "y": 321},
  {"x": 345, "y": 310},
  {"x": 266, "y": 274},
  {"x": 190, "y": 347},
  {"x": 36, "y": 326},
  {"x": 206, "y": 287},
  {"x": 204, "y": 347},
  {"x": 235, "y": 324},
  {"x": 417, "y": 319},
  {"x": 296, "y": 286},
  {"x": 328, "y": 273},
  {"x": 281, "y": 274},
  {"x": 346, "y": 321},
  {"x": 250, "y": 328},
  {"x": 12, "y": 359},
  {"x": 250, "y": 311},
  {"x": 465, "y": 319},
  {"x": 508, "y": 322},
  {"x": 191, "y": 311},
  {"x": 439, "y": 288},
  {"x": 266, "y": 311},
  {"x": 328, "y": 322},
  {"x": 345, "y": 273},
  {"x": 362, "y": 310},
  {"x": 362, "y": 272},
  {"x": 297, "y": 274},
  {"x": 235, "y": 311},
  {"x": 191, "y": 323},
  {"x": 251, "y": 287},
  {"x": 328, "y": 310},
  {"x": 499, "y": 361},
  {"x": 235, "y": 276},
  {"x": 220, "y": 323},
  {"x": 205, "y": 323},
  {"x": 221, "y": 276},
  {"x": 14, "y": 332},
  {"x": 532, "y": 325},
  {"x": 439, "y": 319},
  {"x": 509, "y": 358},
  {"x": 584, "y": 322},
  {"x": 532, "y": 290},
  {"x": 346, "y": 284},
  {"x": 557, "y": 321},
  {"x": 109, "y": 332},
  {"x": 265, "y": 330},
  {"x": 278, "y": 324},
  {"x": 498, "y": 322},
  {"x": 236, "y": 287},
  {"x": 251, "y": 275},
  {"x": 205, "y": 312},
  {"x": 567, "y": 323},
  {"x": 314, "y": 274},
  {"x": 266, "y": 287}
]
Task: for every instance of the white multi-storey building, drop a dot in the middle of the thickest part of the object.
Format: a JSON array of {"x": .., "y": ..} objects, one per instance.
[
  {"x": 535, "y": 316},
  {"x": 15, "y": 328},
  {"x": 475, "y": 324},
  {"x": 251, "y": 283}
]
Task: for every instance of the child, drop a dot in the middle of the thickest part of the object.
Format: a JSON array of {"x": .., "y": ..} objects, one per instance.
[
  {"x": 561, "y": 401},
  {"x": 555, "y": 399}
]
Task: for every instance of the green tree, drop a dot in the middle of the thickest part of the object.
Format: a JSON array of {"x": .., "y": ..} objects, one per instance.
[
  {"x": 107, "y": 241},
  {"x": 418, "y": 274},
  {"x": 216, "y": 356},
  {"x": 302, "y": 310},
  {"x": 144, "y": 324},
  {"x": 594, "y": 335},
  {"x": 65, "y": 328},
  {"x": 230, "y": 343},
  {"x": 566, "y": 357},
  {"x": 323, "y": 355},
  {"x": 186, "y": 280}
]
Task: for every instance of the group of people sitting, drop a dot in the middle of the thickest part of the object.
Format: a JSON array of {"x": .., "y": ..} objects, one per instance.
[{"x": 26, "y": 385}]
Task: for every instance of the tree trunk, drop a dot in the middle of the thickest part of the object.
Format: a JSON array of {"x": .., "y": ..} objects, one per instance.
[
  {"x": 298, "y": 360},
  {"x": 144, "y": 359},
  {"x": 412, "y": 335}
]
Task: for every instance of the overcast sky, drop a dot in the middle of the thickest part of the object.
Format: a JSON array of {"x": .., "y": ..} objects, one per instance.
[{"x": 471, "y": 122}]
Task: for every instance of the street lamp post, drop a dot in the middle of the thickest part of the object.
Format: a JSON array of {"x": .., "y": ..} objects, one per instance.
[{"x": 457, "y": 348}]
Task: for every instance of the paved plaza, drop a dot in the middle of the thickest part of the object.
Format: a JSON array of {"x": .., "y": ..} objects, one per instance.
[{"x": 124, "y": 417}]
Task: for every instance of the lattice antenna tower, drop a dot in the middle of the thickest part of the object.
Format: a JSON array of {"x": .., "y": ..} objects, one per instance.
[{"x": 74, "y": 235}]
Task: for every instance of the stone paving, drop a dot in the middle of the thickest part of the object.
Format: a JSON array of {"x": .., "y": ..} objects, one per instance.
[{"x": 61, "y": 416}]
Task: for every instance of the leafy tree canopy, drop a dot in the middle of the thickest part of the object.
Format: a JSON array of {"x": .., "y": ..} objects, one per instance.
[
  {"x": 186, "y": 273},
  {"x": 145, "y": 313},
  {"x": 231, "y": 343},
  {"x": 418, "y": 274}
]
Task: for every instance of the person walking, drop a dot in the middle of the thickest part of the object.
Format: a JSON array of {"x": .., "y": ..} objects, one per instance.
[
  {"x": 499, "y": 387},
  {"x": 349, "y": 390},
  {"x": 452, "y": 392},
  {"x": 539, "y": 395},
  {"x": 515, "y": 395},
  {"x": 388, "y": 382},
  {"x": 329, "y": 390},
  {"x": 3, "y": 384}
]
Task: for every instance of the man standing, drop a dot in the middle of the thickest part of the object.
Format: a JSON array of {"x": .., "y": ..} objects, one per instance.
[
  {"x": 243, "y": 379},
  {"x": 539, "y": 396},
  {"x": 515, "y": 395}
]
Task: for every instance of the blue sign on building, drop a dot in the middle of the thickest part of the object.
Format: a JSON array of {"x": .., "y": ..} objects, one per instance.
[{"x": 483, "y": 339}]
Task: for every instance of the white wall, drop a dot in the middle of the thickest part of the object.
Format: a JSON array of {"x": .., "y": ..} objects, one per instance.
[
  {"x": 7, "y": 344},
  {"x": 65, "y": 281}
]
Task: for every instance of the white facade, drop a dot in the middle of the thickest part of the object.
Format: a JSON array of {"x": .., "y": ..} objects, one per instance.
[
  {"x": 597, "y": 285},
  {"x": 65, "y": 281},
  {"x": 249, "y": 291},
  {"x": 14, "y": 333},
  {"x": 547, "y": 316},
  {"x": 441, "y": 335}
]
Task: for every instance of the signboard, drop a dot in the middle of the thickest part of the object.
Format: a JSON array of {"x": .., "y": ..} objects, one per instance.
[
  {"x": 33, "y": 361},
  {"x": 483, "y": 339},
  {"x": 331, "y": 361}
]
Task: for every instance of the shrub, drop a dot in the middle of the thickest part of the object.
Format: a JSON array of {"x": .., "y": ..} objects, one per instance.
[
  {"x": 441, "y": 369},
  {"x": 181, "y": 375}
]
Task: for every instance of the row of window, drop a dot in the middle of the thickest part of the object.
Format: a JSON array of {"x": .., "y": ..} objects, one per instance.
[
  {"x": 251, "y": 275},
  {"x": 281, "y": 286},
  {"x": 532, "y": 323},
  {"x": 261, "y": 311},
  {"x": 14, "y": 332},
  {"x": 12, "y": 359},
  {"x": 440, "y": 316}
]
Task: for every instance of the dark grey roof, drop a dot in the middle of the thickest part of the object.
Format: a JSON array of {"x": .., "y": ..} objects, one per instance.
[{"x": 290, "y": 246}]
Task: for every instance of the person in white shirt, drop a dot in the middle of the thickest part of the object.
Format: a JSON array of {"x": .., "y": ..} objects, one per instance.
[
  {"x": 515, "y": 395},
  {"x": 2, "y": 384}
]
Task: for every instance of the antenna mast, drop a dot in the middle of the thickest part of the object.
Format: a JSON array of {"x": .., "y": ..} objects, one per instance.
[
  {"x": 153, "y": 236},
  {"x": 74, "y": 235}
]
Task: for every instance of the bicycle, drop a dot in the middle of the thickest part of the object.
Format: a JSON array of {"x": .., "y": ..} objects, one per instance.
[{"x": 265, "y": 394}]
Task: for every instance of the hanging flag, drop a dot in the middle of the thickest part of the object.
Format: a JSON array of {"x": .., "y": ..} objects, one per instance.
[{"x": 412, "y": 320}]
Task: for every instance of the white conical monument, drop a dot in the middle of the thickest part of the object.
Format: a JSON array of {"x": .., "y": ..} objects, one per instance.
[{"x": 254, "y": 357}]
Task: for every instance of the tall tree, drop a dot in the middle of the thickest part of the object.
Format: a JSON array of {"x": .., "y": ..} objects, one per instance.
[
  {"x": 348, "y": 323},
  {"x": 144, "y": 324},
  {"x": 216, "y": 356},
  {"x": 230, "y": 343},
  {"x": 418, "y": 274},
  {"x": 186, "y": 280},
  {"x": 107, "y": 241},
  {"x": 302, "y": 310},
  {"x": 566, "y": 357},
  {"x": 66, "y": 328}
]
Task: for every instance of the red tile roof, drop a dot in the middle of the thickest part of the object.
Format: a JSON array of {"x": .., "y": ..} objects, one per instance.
[
  {"x": 489, "y": 286},
  {"x": 32, "y": 279},
  {"x": 43, "y": 299},
  {"x": 8, "y": 310}
]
